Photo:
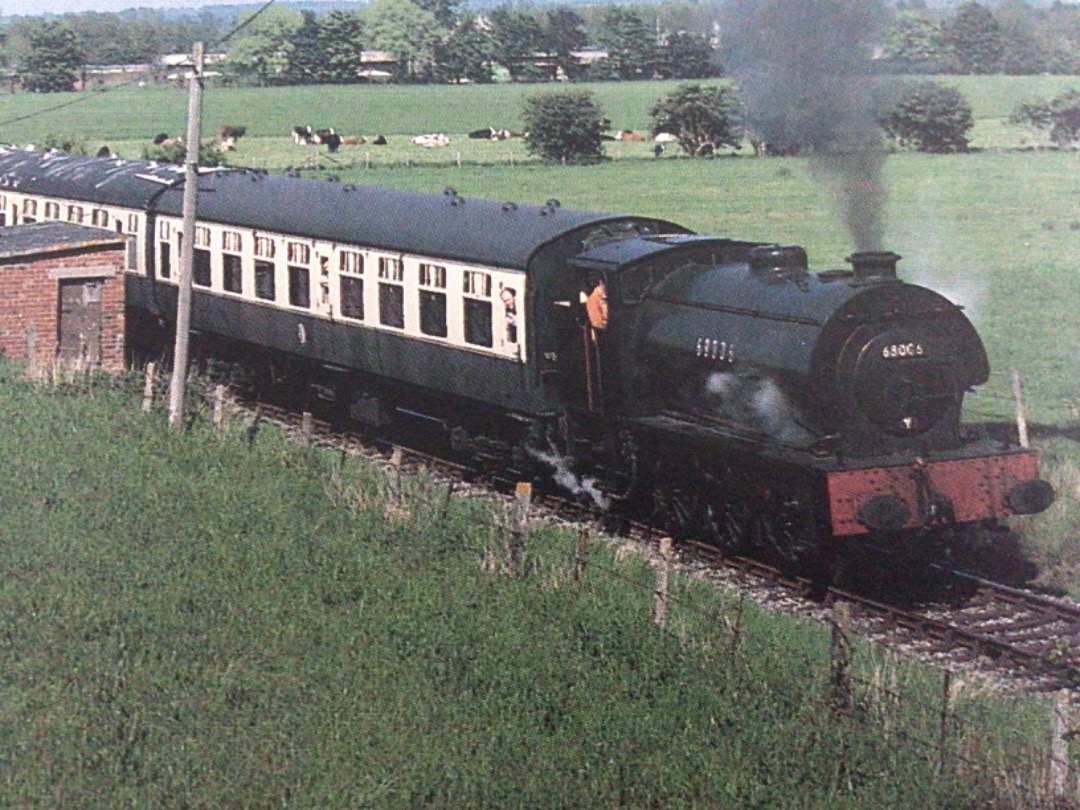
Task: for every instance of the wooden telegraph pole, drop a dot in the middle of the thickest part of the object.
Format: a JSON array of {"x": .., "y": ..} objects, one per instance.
[{"x": 178, "y": 386}]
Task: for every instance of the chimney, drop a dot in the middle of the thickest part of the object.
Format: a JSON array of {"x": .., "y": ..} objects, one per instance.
[{"x": 873, "y": 265}]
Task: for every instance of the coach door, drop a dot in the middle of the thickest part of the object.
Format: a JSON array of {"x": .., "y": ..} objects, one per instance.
[{"x": 80, "y": 321}]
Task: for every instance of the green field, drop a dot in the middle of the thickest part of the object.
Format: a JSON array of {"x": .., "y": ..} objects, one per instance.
[{"x": 190, "y": 620}]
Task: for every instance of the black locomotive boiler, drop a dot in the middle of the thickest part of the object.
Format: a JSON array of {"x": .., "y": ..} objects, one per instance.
[{"x": 715, "y": 386}]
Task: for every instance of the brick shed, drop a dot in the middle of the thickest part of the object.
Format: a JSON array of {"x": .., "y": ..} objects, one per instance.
[{"x": 62, "y": 294}]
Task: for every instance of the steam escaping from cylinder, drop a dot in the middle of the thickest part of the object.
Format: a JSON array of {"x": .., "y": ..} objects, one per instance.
[
  {"x": 756, "y": 402},
  {"x": 569, "y": 480},
  {"x": 803, "y": 72}
]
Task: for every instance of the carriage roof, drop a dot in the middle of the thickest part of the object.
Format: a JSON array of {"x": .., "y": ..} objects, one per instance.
[{"x": 439, "y": 225}]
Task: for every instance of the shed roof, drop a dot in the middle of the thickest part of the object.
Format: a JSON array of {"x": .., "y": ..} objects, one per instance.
[
  {"x": 50, "y": 237},
  {"x": 439, "y": 225}
]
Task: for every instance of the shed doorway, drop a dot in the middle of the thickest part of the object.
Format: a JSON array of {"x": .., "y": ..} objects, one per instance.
[{"x": 80, "y": 321}]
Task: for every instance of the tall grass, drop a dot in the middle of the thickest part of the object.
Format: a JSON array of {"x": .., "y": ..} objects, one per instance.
[{"x": 191, "y": 620}]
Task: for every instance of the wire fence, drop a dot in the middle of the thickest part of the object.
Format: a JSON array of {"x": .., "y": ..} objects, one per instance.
[{"x": 950, "y": 726}]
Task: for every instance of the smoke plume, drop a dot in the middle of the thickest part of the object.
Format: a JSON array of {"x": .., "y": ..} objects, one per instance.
[{"x": 802, "y": 68}]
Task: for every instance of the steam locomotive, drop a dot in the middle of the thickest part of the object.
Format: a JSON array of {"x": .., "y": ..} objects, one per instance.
[{"x": 715, "y": 386}]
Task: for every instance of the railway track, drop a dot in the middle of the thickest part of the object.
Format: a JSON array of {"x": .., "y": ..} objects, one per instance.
[{"x": 1006, "y": 632}]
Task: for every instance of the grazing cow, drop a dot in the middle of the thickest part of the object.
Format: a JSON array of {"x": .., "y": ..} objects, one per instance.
[
  {"x": 485, "y": 134},
  {"x": 432, "y": 140},
  {"x": 228, "y": 135},
  {"x": 665, "y": 137},
  {"x": 353, "y": 140},
  {"x": 379, "y": 141},
  {"x": 303, "y": 135},
  {"x": 628, "y": 136},
  {"x": 164, "y": 141},
  {"x": 328, "y": 138}
]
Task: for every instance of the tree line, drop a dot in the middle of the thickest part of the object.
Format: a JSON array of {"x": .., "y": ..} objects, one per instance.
[{"x": 438, "y": 41}]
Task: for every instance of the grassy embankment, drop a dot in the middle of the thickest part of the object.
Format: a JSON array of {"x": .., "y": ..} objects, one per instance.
[{"x": 203, "y": 621}]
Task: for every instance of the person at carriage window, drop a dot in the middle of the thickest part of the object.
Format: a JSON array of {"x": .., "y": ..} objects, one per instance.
[{"x": 509, "y": 299}]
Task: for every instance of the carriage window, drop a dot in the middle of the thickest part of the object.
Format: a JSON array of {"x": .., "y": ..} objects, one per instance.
[
  {"x": 477, "y": 312},
  {"x": 299, "y": 286},
  {"x": 352, "y": 284},
  {"x": 233, "y": 269},
  {"x": 200, "y": 274},
  {"x": 391, "y": 292},
  {"x": 232, "y": 241},
  {"x": 264, "y": 280},
  {"x": 265, "y": 247},
  {"x": 100, "y": 217},
  {"x": 165, "y": 262},
  {"x": 298, "y": 253},
  {"x": 352, "y": 262},
  {"x": 433, "y": 300},
  {"x": 52, "y": 210}
]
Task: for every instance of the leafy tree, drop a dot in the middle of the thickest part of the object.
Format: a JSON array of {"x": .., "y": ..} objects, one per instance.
[
  {"x": 407, "y": 32},
  {"x": 306, "y": 64},
  {"x": 54, "y": 58},
  {"x": 975, "y": 39},
  {"x": 701, "y": 117},
  {"x": 630, "y": 43},
  {"x": 915, "y": 43},
  {"x": 1021, "y": 52},
  {"x": 260, "y": 54},
  {"x": 1060, "y": 117},
  {"x": 466, "y": 54},
  {"x": 518, "y": 38},
  {"x": 341, "y": 40},
  {"x": 565, "y": 34},
  {"x": 929, "y": 117},
  {"x": 565, "y": 127},
  {"x": 686, "y": 56}
]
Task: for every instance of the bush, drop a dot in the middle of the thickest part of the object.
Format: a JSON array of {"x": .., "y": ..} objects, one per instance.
[
  {"x": 1060, "y": 115},
  {"x": 702, "y": 118},
  {"x": 930, "y": 117},
  {"x": 565, "y": 127}
]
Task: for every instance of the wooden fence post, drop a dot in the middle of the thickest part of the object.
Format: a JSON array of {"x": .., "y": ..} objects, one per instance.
[
  {"x": 840, "y": 662},
  {"x": 396, "y": 456},
  {"x": 519, "y": 527},
  {"x": 944, "y": 719},
  {"x": 307, "y": 427},
  {"x": 148, "y": 388},
  {"x": 581, "y": 554},
  {"x": 1059, "y": 746},
  {"x": 1021, "y": 416},
  {"x": 253, "y": 427},
  {"x": 219, "y": 408},
  {"x": 663, "y": 574}
]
